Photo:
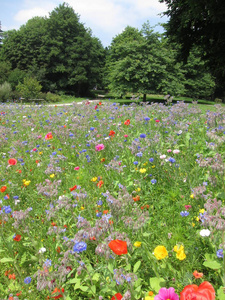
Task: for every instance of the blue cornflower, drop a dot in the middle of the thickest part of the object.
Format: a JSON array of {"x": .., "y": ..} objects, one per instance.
[
  {"x": 7, "y": 209},
  {"x": 15, "y": 197},
  {"x": 27, "y": 280},
  {"x": 92, "y": 128},
  {"x": 142, "y": 135},
  {"x": 184, "y": 213},
  {"x": 70, "y": 134},
  {"x": 153, "y": 181},
  {"x": 147, "y": 118},
  {"x": 151, "y": 159},
  {"x": 54, "y": 153},
  {"x": 80, "y": 247},
  {"x": 172, "y": 160},
  {"x": 99, "y": 214},
  {"x": 219, "y": 253}
]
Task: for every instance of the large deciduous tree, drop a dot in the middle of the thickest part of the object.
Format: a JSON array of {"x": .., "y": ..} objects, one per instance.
[
  {"x": 139, "y": 62},
  {"x": 200, "y": 23},
  {"x": 59, "y": 51}
]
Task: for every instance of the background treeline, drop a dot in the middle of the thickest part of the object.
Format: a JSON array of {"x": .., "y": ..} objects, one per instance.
[{"x": 57, "y": 55}]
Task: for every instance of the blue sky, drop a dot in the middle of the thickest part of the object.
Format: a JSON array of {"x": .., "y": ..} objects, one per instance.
[{"x": 106, "y": 18}]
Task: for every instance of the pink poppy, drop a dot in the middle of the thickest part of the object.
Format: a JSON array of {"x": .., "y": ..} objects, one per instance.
[
  {"x": 166, "y": 294},
  {"x": 99, "y": 147},
  {"x": 157, "y": 121},
  {"x": 76, "y": 168}
]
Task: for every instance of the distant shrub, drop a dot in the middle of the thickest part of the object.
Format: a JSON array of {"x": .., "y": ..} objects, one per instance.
[
  {"x": 217, "y": 100},
  {"x": 5, "y": 91},
  {"x": 50, "y": 97},
  {"x": 29, "y": 89}
]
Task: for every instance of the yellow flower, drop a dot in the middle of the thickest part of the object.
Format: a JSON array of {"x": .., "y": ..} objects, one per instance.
[
  {"x": 193, "y": 224},
  {"x": 181, "y": 255},
  {"x": 149, "y": 298},
  {"x": 40, "y": 153},
  {"x": 138, "y": 189},
  {"x": 192, "y": 196},
  {"x": 82, "y": 208},
  {"x": 142, "y": 170},
  {"x": 160, "y": 252},
  {"x": 137, "y": 244},
  {"x": 52, "y": 175},
  {"x": 153, "y": 166},
  {"x": 178, "y": 248},
  {"x": 145, "y": 164},
  {"x": 202, "y": 211},
  {"x": 197, "y": 219},
  {"x": 26, "y": 182},
  {"x": 94, "y": 179}
]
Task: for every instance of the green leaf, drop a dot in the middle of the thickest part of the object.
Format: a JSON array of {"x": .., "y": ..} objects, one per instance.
[
  {"x": 84, "y": 288},
  {"x": 6, "y": 260},
  {"x": 146, "y": 234},
  {"x": 220, "y": 293},
  {"x": 110, "y": 268},
  {"x": 93, "y": 290},
  {"x": 77, "y": 285},
  {"x": 137, "y": 266},
  {"x": 23, "y": 258},
  {"x": 212, "y": 264},
  {"x": 128, "y": 267},
  {"x": 96, "y": 277},
  {"x": 157, "y": 283}
]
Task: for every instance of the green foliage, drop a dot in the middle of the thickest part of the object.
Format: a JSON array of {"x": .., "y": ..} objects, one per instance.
[
  {"x": 15, "y": 77},
  {"x": 5, "y": 91},
  {"x": 29, "y": 89},
  {"x": 5, "y": 69},
  {"x": 50, "y": 97}
]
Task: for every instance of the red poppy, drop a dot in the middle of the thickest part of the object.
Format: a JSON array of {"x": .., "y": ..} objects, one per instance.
[
  {"x": 53, "y": 224},
  {"x": 100, "y": 183},
  {"x": 118, "y": 247},
  {"x": 137, "y": 198},
  {"x": 73, "y": 188},
  {"x": 49, "y": 136},
  {"x": 112, "y": 133},
  {"x": 12, "y": 161},
  {"x": 3, "y": 188},
  {"x": 204, "y": 291},
  {"x": 127, "y": 122},
  {"x": 56, "y": 290},
  {"x": 58, "y": 249},
  {"x": 17, "y": 238},
  {"x": 117, "y": 296}
]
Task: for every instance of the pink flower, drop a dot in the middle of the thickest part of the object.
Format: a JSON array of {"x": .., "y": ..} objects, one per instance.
[
  {"x": 169, "y": 150},
  {"x": 176, "y": 151},
  {"x": 35, "y": 149},
  {"x": 125, "y": 135},
  {"x": 48, "y": 136},
  {"x": 187, "y": 207},
  {"x": 157, "y": 121},
  {"x": 166, "y": 294},
  {"x": 99, "y": 147},
  {"x": 76, "y": 168}
]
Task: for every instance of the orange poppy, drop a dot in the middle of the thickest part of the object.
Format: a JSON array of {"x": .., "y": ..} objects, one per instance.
[
  {"x": 56, "y": 290},
  {"x": 12, "y": 161},
  {"x": 118, "y": 247},
  {"x": 127, "y": 122},
  {"x": 12, "y": 276},
  {"x": 112, "y": 133},
  {"x": 137, "y": 198},
  {"x": 73, "y": 188},
  {"x": 197, "y": 274},
  {"x": 58, "y": 249},
  {"x": 3, "y": 188},
  {"x": 100, "y": 183},
  {"x": 204, "y": 291}
]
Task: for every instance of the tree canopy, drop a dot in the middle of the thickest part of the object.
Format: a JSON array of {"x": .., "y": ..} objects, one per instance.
[
  {"x": 200, "y": 23},
  {"x": 59, "y": 51}
]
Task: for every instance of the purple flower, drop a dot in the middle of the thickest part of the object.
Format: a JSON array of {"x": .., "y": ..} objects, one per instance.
[
  {"x": 153, "y": 181},
  {"x": 172, "y": 160},
  {"x": 80, "y": 247},
  {"x": 151, "y": 159},
  {"x": 219, "y": 253},
  {"x": 165, "y": 294},
  {"x": 142, "y": 135},
  {"x": 184, "y": 213}
]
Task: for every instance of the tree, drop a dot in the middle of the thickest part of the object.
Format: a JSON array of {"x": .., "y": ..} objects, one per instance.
[
  {"x": 139, "y": 62},
  {"x": 59, "y": 51},
  {"x": 200, "y": 23}
]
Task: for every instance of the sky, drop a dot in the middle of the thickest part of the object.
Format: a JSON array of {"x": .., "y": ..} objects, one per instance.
[{"x": 106, "y": 18}]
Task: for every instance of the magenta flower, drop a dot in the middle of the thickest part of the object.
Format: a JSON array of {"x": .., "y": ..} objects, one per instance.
[
  {"x": 99, "y": 147},
  {"x": 166, "y": 294},
  {"x": 76, "y": 168}
]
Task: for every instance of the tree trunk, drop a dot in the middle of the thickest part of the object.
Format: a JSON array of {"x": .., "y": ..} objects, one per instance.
[{"x": 144, "y": 98}]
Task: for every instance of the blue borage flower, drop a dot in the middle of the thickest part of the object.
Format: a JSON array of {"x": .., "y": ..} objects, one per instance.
[
  {"x": 184, "y": 213},
  {"x": 219, "y": 253}
]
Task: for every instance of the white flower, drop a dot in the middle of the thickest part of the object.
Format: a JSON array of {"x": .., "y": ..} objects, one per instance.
[
  {"x": 205, "y": 232},
  {"x": 176, "y": 151},
  {"x": 162, "y": 156},
  {"x": 179, "y": 132},
  {"x": 42, "y": 250}
]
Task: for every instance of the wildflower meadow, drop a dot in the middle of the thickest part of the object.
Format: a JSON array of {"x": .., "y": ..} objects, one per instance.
[{"x": 102, "y": 201}]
